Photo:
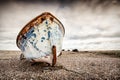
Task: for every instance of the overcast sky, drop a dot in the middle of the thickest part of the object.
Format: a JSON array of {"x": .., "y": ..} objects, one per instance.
[{"x": 88, "y": 25}]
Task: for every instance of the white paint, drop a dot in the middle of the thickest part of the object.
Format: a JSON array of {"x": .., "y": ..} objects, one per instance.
[{"x": 44, "y": 46}]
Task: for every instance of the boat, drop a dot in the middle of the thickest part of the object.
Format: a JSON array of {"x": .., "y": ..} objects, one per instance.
[{"x": 40, "y": 40}]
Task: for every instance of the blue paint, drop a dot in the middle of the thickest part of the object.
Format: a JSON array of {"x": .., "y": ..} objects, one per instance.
[
  {"x": 29, "y": 33},
  {"x": 22, "y": 40},
  {"x": 22, "y": 48},
  {"x": 31, "y": 42},
  {"x": 48, "y": 34},
  {"x": 46, "y": 22},
  {"x": 43, "y": 38},
  {"x": 35, "y": 46},
  {"x": 34, "y": 35}
]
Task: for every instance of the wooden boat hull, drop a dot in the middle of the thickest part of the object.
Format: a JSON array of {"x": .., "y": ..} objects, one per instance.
[{"x": 37, "y": 38}]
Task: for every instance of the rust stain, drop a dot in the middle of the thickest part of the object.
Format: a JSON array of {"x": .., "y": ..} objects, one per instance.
[
  {"x": 54, "y": 55},
  {"x": 51, "y": 19}
]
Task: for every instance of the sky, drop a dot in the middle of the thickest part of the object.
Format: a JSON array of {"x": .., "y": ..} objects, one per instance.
[{"x": 89, "y": 24}]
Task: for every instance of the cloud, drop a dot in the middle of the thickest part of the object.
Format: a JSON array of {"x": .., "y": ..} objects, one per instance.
[{"x": 86, "y": 21}]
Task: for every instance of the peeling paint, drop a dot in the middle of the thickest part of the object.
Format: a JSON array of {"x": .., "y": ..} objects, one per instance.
[
  {"x": 39, "y": 45},
  {"x": 36, "y": 40}
]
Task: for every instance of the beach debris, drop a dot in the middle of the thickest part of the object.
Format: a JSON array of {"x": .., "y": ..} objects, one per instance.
[
  {"x": 41, "y": 39},
  {"x": 63, "y": 49},
  {"x": 75, "y": 50}
]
